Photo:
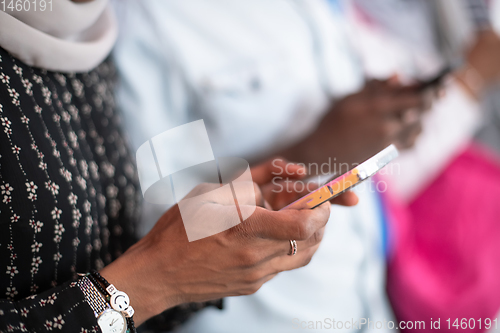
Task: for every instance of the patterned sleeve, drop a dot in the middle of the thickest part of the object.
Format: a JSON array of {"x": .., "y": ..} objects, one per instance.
[{"x": 60, "y": 309}]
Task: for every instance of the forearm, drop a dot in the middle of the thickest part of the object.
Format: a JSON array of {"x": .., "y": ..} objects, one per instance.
[
  {"x": 320, "y": 146},
  {"x": 135, "y": 273},
  {"x": 327, "y": 147},
  {"x": 303, "y": 152}
]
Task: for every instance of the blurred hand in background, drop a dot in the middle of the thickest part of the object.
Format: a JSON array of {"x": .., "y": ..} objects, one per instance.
[
  {"x": 360, "y": 125},
  {"x": 484, "y": 55},
  {"x": 482, "y": 69}
]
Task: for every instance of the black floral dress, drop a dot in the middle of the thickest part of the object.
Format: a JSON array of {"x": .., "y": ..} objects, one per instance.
[{"x": 68, "y": 192}]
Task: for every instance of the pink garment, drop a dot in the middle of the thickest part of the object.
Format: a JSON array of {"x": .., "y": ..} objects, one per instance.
[{"x": 446, "y": 262}]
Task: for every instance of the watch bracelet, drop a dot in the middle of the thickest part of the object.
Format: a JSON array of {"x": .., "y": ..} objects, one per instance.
[
  {"x": 94, "y": 298},
  {"x": 99, "y": 287}
]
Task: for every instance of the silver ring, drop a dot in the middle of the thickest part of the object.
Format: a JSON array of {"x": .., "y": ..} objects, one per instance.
[{"x": 293, "y": 247}]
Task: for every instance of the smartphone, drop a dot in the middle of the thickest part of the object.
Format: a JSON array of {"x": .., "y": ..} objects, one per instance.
[
  {"x": 347, "y": 181},
  {"x": 436, "y": 80}
]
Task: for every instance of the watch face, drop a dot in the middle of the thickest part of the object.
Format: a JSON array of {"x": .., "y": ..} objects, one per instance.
[{"x": 112, "y": 321}]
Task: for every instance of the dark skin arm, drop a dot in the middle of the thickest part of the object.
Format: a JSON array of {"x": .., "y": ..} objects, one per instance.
[
  {"x": 483, "y": 56},
  {"x": 360, "y": 125}
]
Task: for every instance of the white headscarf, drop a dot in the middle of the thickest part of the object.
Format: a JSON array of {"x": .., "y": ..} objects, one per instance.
[{"x": 65, "y": 37}]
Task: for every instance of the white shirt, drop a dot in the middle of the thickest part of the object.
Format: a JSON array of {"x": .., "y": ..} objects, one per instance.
[{"x": 259, "y": 73}]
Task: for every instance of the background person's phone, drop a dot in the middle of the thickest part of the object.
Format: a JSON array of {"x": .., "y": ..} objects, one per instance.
[
  {"x": 436, "y": 80},
  {"x": 347, "y": 181}
]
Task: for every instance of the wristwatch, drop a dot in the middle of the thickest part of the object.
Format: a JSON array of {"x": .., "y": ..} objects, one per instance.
[{"x": 109, "y": 319}]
